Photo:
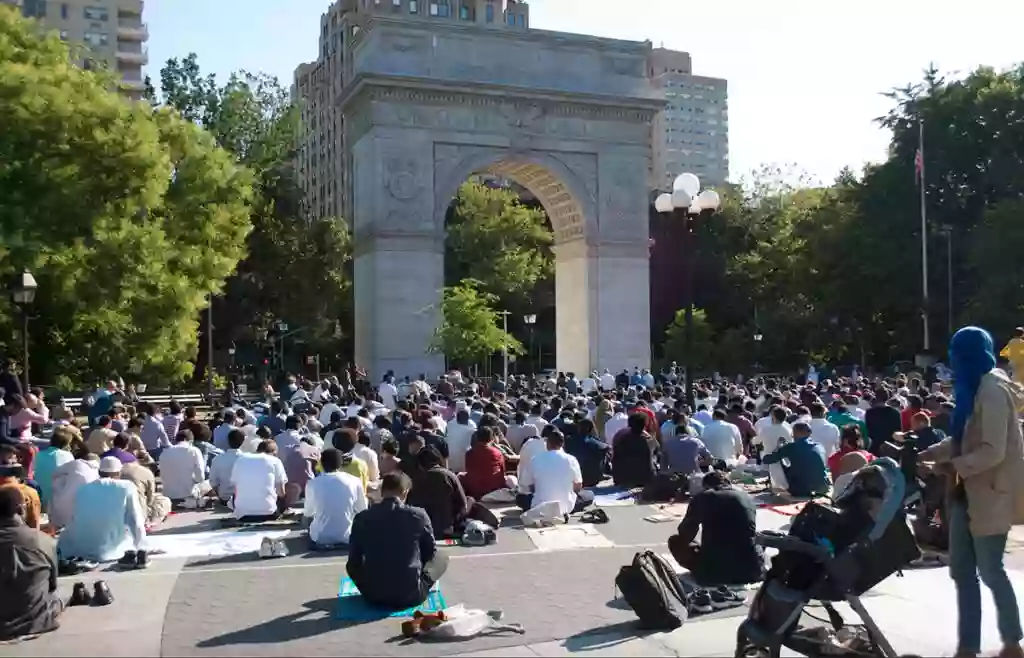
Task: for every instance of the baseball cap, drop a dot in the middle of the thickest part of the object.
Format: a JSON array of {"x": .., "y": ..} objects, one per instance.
[{"x": 110, "y": 465}]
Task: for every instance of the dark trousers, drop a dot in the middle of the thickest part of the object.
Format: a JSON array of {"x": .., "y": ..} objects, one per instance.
[
  {"x": 391, "y": 599},
  {"x": 583, "y": 500},
  {"x": 686, "y": 554},
  {"x": 282, "y": 506}
]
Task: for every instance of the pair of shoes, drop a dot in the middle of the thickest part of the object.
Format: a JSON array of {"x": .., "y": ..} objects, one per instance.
[
  {"x": 595, "y": 516},
  {"x": 428, "y": 621},
  {"x": 700, "y": 602},
  {"x": 270, "y": 548},
  {"x": 722, "y": 597},
  {"x": 101, "y": 594},
  {"x": 134, "y": 560},
  {"x": 410, "y": 627}
]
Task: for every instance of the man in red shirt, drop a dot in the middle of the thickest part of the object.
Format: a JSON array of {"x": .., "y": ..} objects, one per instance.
[{"x": 849, "y": 441}]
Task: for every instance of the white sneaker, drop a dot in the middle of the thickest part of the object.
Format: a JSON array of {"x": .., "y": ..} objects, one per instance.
[
  {"x": 278, "y": 549},
  {"x": 267, "y": 548}
]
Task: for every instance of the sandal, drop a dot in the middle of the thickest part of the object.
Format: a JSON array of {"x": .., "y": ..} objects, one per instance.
[{"x": 596, "y": 516}]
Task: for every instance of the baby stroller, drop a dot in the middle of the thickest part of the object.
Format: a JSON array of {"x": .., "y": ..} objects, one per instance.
[{"x": 831, "y": 554}]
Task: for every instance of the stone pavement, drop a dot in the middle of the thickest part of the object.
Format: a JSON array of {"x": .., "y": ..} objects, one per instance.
[{"x": 564, "y": 596}]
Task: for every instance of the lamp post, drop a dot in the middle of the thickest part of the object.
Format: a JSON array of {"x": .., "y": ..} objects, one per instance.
[
  {"x": 530, "y": 320},
  {"x": 947, "y": 232},
  {"x": 282, "y": 328},
  {"x": 504, "y": 346},
  {"x": 686, "y": 203},
  {"x": 231, "y": 353},
  {"x": 23, "y": 293},
  {"x": 758, "y": 337}
]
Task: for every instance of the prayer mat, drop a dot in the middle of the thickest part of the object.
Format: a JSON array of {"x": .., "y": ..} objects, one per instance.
[
  {"x": 791, "y": 509},
  {"x": 614, "y": 496},
  {"x": 352, "y": 607}
]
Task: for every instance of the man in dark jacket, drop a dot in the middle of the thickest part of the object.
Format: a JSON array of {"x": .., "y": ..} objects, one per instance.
[
  {"x": 392, "y": 557},
  {"x": 28, "y": 573},
  {"x": 727, "y": 553}
]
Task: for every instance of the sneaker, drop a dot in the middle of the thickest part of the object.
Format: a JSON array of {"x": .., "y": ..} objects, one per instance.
[
  {"x": 721, "y": 600},
  {"x": 79, "y": 595},
  {"x": 700, "y": 602},
  {"x": 730, "y": 594},
  {"x": 141, "y": 560},
  {"x": 278, "y": 549},
  {"x": 101, "y": 593},
  {"x": 128, "y": 559},
  {"x": 266, "y": 548}
]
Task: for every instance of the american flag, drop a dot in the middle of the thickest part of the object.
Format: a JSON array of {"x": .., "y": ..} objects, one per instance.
[{"x": 918, "y": 165}]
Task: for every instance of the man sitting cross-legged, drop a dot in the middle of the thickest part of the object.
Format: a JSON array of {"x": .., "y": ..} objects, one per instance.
[
  {"x": 107, "y": 520},
  {"x": 554, "y": 477},
  {"x": 392, "y": 557},
  {"x": 727, "y": 553},
  {"x": 28, "y": 573},
  {"x": 259, "y": 480},
  {"x": 333, "y": 499}
]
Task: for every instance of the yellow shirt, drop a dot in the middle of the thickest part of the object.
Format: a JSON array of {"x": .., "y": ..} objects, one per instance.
[
  {"x": 1014, "y": 351},
  {"x": 356, "y": 467}
]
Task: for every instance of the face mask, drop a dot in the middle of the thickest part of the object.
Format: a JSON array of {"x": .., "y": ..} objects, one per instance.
[{"x": 292, "y": 387}]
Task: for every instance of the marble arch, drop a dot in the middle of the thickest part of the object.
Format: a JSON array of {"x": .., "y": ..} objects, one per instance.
[{"x": 431, "y": 104}]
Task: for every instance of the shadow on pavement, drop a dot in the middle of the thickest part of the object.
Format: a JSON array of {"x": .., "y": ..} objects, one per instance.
[
  {"x": 604, "y": 637},
  {"x": 317, "y": 618}
]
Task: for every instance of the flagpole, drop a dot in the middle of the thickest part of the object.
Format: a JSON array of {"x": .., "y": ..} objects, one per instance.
[{"x": 924, "y": 240}]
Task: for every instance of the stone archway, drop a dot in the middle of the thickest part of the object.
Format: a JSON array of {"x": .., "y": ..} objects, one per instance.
[{"x": 412, "y": 142}]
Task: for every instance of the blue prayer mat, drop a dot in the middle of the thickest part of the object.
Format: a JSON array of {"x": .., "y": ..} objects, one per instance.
[{"x": 352, "y": 607}]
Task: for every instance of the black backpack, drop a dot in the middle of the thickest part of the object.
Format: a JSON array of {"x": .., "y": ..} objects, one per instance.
[
  {"x": 663, "y": 488},
  {"x": 651, "y": 587}
]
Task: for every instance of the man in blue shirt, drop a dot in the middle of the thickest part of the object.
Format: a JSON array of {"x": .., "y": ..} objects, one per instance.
[{"x": 804, "y": 462}]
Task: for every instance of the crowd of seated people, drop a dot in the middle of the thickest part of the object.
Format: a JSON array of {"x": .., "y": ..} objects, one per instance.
[{"x": 416, "y": 462}]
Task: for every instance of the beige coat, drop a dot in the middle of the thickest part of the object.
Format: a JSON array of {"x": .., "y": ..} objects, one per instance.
[{"x": 992, "y": 460}]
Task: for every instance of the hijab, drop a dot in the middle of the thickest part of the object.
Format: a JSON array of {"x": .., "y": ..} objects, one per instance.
[
  {"x": 971, "y": 355},
  {"x": 605, "y": 410}
]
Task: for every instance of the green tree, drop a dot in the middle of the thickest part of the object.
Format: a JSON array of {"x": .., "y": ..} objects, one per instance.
[
  {"x": 499, "y": 242},
  {"x": 297, "y": 270},
  {"x": 703, "y": 357},
  {"x": 128, "y": 218},
  {"x": 994, "y": 245},
  {"x": 470, "y": 331}
]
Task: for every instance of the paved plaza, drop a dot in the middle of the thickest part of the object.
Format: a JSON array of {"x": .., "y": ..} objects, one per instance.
[{"x": 564, "y": 596}]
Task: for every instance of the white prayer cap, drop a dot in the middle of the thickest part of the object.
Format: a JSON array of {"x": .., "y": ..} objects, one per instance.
[{"x": 110, "y": 465}]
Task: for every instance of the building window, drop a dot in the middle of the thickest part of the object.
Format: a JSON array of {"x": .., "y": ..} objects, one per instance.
[
  {"x": 414, "y": 7},
  {"x": 510, "y": 18},
  {"x": 490, "y": 13},
  {"x": 63, "y": 35},
  {"x": 443, "y": 9},
  {"x": 96, "y": 38},
  {"x": 96, "y": 13},
  {"x": 64, "y": 11},
  {"x": 433, "y": 9},
  {"x": 34, "y": 8},
  {"x": 521, "y": 20},
  {"x": 463, "y": 13}
]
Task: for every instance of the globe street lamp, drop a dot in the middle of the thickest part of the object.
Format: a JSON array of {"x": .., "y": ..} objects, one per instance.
[
  {"x": 685, "y": 204},
  {"x": 530, "y": 320},
  {"x": 23, "y": 293}
]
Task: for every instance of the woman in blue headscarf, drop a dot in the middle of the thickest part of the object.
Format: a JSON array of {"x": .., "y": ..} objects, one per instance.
[{"x": 985, "y": 455}]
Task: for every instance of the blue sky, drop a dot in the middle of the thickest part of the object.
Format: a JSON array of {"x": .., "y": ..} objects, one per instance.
[{"x": 804, "y": 75}]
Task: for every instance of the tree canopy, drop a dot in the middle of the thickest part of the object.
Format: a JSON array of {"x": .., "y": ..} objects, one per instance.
[
  {"x": 297, "y": 270},
  {"x": 128, "y": 218},
  {"x": 834, "y": 272},
  {"x": 470, "y": 331}
]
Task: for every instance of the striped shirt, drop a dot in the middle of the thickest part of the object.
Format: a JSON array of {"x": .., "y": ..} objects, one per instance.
[{"x": 171, "y": 424}]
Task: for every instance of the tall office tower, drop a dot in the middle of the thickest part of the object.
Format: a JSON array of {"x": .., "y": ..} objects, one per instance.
[
  {"x": 692, "y": 133},
  {"x": 322, "y": 170},
  {"x": 111, "y": 32}
]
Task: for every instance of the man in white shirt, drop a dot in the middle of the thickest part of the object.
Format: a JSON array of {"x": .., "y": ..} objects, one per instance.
[
  {"x": 536, "y": 418},
  {"x": 589, "y": 384},
  {"x": 333, "y": 499},
  {"x": 291, "y": 435},
  {"x": 532, "y": 447},
  {"x": 259, "y": 480},
  {"x": 363, "y": 451},
  {"x": 220, "y": 435},
  {"x": 771, "y": 437},
  {"x": 183, "y": 469},
  {"x": 220, "y": 469},
  {"x": 703, "y": 416},
  {"x": 607, "y": 381},
  {"x": 459, "y": 437},
  {"x": 388, "y": 393},
  {"x": 327, "y": 412},
  {"x": 554, "y": 477},
  {"x": 823, "y": 432},
  {"x": 616, "y": 423},
  {"x": 722, "y": 439}
]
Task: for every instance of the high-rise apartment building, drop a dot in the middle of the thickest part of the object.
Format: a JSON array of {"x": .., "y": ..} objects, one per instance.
[
  {"x": 111, "y": 33},
  {"x": 692, "y": 133},
  {"x": 321, "y": 167}
]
